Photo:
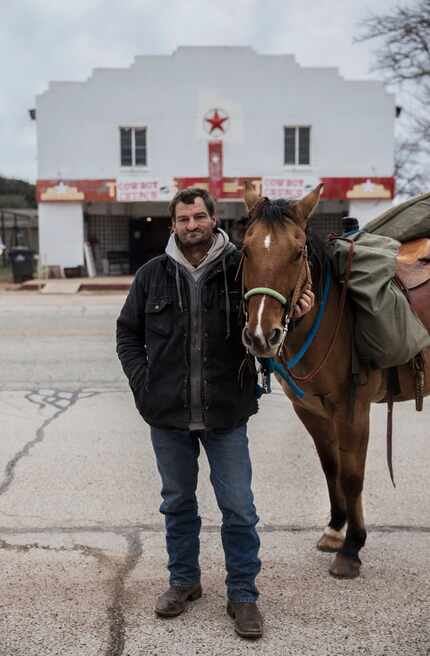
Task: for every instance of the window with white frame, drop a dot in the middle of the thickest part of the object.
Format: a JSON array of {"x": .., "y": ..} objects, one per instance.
[
  {"x": 297, "y": 145},
  {"x": 133, "y": 146}
]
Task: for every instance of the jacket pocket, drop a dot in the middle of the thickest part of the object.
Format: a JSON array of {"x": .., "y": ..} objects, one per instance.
[
  {"x": 158, "y": 316},
  {"x": 138, "y": 378}
]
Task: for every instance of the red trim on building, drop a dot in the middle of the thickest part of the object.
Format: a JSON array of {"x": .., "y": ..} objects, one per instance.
[
  {"x": 358, "y": 188},
  {"x": 346, "y": 188},
  {"x": 71, "y": 190}
]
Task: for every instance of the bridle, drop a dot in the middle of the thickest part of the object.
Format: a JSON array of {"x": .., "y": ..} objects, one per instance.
[{"x": 304, "y": 281}]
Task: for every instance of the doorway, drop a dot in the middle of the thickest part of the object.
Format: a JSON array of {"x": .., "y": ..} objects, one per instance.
[{"x": 147, "y": 239}]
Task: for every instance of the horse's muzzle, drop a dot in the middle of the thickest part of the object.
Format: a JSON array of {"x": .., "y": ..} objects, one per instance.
[{"x": 261, "y": 345}]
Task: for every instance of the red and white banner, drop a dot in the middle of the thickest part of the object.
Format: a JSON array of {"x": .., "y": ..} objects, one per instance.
[
  {"x": 292, "y": 188},
  {"x": 135, "y": 190}
]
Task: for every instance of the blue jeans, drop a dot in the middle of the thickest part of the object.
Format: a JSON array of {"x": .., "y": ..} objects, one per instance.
[{"x": 177, "y": 455}]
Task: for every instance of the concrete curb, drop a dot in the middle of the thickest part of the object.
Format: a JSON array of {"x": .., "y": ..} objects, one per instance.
[{"x": 95, "y": 285}]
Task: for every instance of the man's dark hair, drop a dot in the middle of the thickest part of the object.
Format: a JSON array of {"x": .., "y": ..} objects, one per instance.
[{"x": 188, "y": 197}]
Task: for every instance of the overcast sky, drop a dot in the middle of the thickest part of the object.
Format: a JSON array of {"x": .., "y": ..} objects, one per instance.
[{"x": 43, "y": 40}]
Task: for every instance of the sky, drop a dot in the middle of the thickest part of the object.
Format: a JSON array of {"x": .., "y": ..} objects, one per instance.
[{"x": 45, "y": 40}]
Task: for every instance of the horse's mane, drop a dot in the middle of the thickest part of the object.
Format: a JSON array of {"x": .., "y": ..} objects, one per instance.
[
  {"x": 273, "y": 212},
  {"x": 317, "y": 253}
]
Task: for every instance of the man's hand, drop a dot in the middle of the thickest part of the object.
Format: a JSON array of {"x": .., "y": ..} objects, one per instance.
[{"x": 305, "y": 303}]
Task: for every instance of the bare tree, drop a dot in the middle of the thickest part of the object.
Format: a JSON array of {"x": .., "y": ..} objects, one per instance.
[
  {"x": 405, "y": 52},
  {"x": 402, "y": 55},
  {"x": 409, "y": 169}
]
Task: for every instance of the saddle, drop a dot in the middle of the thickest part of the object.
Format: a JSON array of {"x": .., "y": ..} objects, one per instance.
[
  {"x": 413, "y": 272},
  {"x": 413, "y": 277}
]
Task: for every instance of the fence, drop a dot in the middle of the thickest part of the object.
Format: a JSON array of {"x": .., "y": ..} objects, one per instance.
[{"x": 18, "y": 228}]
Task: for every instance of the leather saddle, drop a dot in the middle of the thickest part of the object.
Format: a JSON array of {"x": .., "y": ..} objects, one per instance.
[{"x": 413, "y": 272}]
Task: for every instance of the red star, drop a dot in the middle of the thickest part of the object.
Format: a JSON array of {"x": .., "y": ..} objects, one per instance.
[{"x": 216, "y": 122}]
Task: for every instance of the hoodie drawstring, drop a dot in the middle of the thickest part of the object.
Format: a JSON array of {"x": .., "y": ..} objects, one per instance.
[
  {"x": 178, "y": 287},
  {"x": 227, "y": 300}
]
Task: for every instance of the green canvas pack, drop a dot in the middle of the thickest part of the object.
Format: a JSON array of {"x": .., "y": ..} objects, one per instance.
[
  {"x": 404, "y": 222},
  {"x": 387, "y": 332}
]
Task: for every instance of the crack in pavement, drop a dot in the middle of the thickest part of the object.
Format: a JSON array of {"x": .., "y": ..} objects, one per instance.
[
  {"x": 61, "y": 401},
  {"x": 95, "y": 552},
  {"x": 115, "y": 609},
  {"x": 116, "y": 614},
  {"x": 127, "y": 529}
]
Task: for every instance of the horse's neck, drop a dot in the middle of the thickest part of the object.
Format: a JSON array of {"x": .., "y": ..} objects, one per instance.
[{"x": 297, "y": 336}]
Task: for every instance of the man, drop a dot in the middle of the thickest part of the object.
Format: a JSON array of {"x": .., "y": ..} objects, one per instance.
[{"x": 179, "y": 342}]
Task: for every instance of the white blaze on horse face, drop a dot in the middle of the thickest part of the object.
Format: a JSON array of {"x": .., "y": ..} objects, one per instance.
[
  {"x": 258, "y": 330},
  {"x": 267, "y": 241}
]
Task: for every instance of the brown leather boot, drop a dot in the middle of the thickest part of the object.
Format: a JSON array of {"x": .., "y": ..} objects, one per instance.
[
  {"x": 173, "y": 602},
  {"x": 248, "y": 621}
]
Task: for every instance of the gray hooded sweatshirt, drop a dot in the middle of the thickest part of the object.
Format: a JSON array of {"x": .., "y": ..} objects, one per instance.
[{"x": 195, "y": 277}]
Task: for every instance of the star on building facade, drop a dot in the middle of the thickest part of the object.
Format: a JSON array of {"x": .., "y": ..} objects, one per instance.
[{"x": 216, "y": 121}]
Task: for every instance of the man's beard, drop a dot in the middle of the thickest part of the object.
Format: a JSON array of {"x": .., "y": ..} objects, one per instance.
[{"x": 196, "y": 239}]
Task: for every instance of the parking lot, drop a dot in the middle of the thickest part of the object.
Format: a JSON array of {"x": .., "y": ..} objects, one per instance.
[{"x": 81, "y": 538}]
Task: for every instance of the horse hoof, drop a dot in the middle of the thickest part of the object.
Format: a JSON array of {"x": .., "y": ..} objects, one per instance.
[
  {"x": 331, "y": 540},
  {"x": 345, "y": 567}
]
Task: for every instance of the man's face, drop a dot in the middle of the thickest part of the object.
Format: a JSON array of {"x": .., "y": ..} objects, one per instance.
[{"x": 193, "y": 225}]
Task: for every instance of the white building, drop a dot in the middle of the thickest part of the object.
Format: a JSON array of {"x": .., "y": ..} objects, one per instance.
[{"x": 114, "y": 149}]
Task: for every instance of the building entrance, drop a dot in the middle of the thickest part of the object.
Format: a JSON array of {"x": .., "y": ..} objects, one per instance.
[{"x": 147, "y": 239}]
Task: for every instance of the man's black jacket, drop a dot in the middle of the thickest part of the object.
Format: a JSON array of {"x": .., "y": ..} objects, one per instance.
[{"x": 153, "y": 345}]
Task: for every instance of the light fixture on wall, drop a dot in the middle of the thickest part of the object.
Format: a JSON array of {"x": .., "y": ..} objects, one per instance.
[{"x": 148, "y": 219}]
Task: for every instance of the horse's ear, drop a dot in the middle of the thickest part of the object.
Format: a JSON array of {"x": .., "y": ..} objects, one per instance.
[
  {"x": 308, "y": 204},
  {"x": 250, "y": 196}
]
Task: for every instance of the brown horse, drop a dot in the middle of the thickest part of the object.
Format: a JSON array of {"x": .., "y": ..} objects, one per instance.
[{"x": 276, "y": 259}]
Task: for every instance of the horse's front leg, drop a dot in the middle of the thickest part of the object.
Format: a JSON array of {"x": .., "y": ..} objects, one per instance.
[
  {"x": 353, "y": 439},
  {"x": 324, "y": 436}
]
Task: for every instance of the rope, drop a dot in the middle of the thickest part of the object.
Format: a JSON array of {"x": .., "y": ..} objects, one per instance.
[
  {"x": 316, "y": 324},
  {"x": 311, "y": 375}
]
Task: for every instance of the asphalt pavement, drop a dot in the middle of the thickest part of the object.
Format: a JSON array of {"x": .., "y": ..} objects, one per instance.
[{"x": 82, "y": 541}]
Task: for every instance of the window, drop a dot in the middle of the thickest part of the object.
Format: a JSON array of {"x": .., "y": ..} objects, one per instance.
[
  {"x": 133, "y": 146},
  {"x": 297, "y": 146}
]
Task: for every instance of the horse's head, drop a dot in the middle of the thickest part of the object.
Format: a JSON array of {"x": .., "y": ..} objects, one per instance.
[{"x": 275, "y": 269}]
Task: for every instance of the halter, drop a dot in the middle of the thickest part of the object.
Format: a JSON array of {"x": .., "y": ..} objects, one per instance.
[{"x": 304, "y": 279}]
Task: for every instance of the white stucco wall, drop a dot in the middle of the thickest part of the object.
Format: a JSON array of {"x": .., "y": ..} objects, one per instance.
[
  {"x": 78, "y": 122},
  {"x": 367, "y": 210},
  {"x": 61, "y": 234}
]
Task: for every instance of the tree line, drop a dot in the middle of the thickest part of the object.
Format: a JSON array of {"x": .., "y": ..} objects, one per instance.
[{"x": 16, "y": 194}]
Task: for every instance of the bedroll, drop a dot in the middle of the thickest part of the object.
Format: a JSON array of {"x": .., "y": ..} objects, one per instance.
[{"x": 405, "y": 222}]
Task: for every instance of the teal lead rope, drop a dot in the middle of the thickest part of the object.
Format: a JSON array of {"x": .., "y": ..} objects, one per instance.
[{"x": 270, "y": 365}]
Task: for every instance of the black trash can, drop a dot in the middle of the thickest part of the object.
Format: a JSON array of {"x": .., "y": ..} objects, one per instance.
[{"x": 21, "y": 259}]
